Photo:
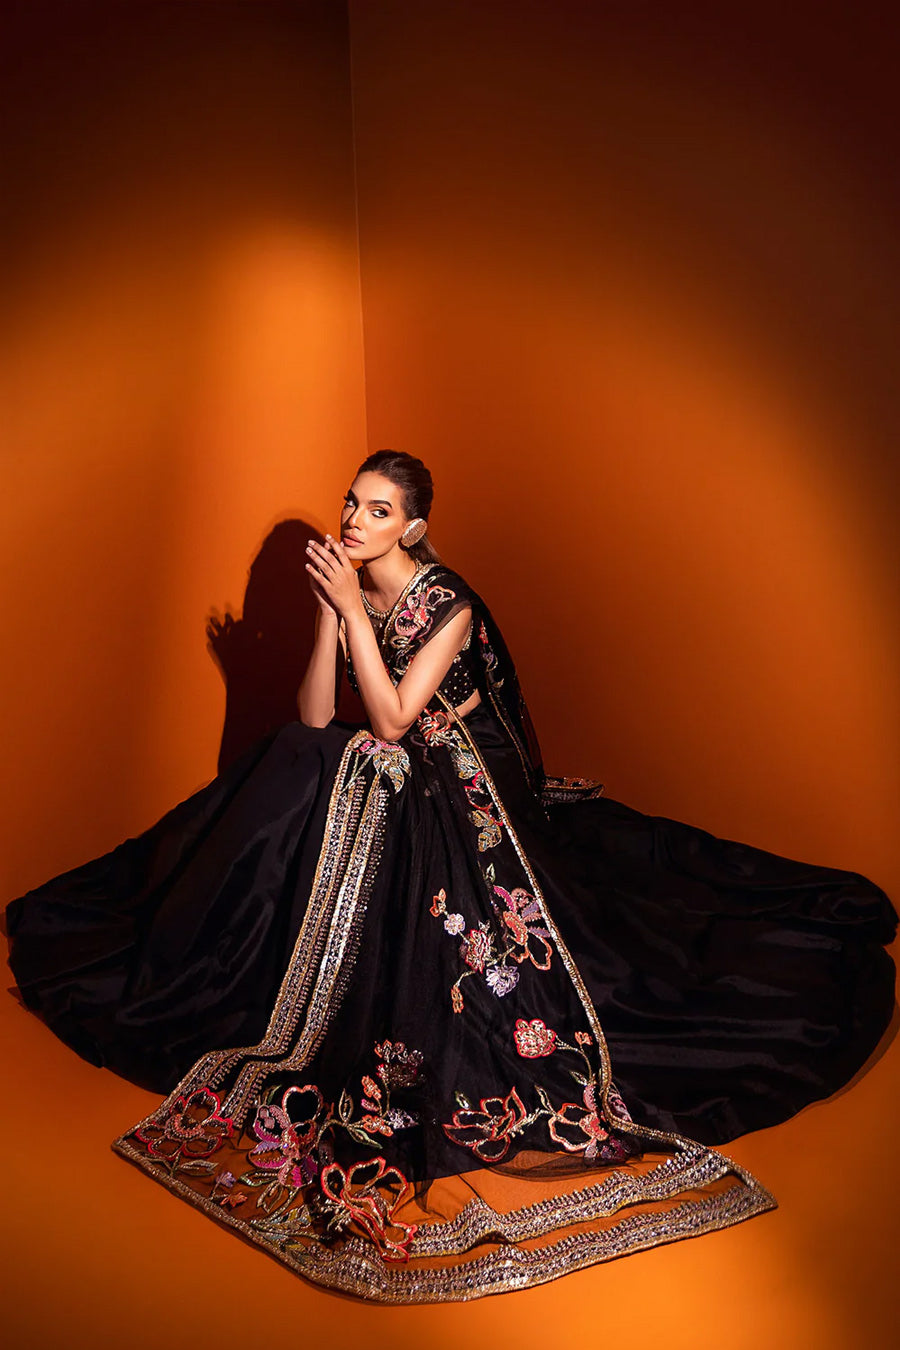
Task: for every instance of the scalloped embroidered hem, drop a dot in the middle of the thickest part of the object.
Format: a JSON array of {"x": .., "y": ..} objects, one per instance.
[{"x": 484, "y": 1249}]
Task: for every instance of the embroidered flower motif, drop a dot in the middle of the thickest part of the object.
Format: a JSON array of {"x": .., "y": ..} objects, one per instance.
[
  {"x": 582, "y": 1038},
  {"x": 400, "y": 1067},
  {"x": 417, "y": 614},
  {"x": 482, "y": 812},
  {"x": 194, "y": 1128},
  {"x": 223, "y": 1192},
  {"x": 476, "y": 948},
  {"x": 436, "y": 727},
  {"x": 454, "y": 923},
  {"x": 616, "y": 1105},
  {"x": 519, "y": 912},
  {"x": 489, "y": 656},
  {"x": 586, "y": 1130},
  {"x": 388, "y": 757},
  {"x": 369, "y": 1195},
  {"x": 534, "y": 1039},
  {"x": 285, "y": 1143},
  {"x": 456, "y": 999},
  {"x": 501, "y": 979},
  {"x": 439, "y": 903},
  {"x": 401, "y": 1120},
  {"x": 376, "y": 1125},
  {"x": 488, "y": 1131}
]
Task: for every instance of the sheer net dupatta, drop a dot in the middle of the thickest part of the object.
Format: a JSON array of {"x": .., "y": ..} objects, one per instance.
[{"x": 431, "y": 1115}]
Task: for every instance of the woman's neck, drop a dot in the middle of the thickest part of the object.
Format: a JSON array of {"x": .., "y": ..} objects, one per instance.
[{"x": 386, "y": 578}]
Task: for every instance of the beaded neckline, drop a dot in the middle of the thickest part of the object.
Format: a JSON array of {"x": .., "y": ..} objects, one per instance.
[{"x": 382, "y": 614}]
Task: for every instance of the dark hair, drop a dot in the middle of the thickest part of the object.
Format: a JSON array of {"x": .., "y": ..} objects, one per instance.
[{"x": 414, "y": 481}]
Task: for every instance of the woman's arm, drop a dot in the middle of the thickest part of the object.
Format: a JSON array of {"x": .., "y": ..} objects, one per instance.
[
  {"x": 316, "y": 695},
  {"x": 392, "y": 709}
]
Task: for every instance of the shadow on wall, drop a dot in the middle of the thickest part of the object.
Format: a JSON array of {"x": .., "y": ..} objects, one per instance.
[{"x": 263, "y": 654}]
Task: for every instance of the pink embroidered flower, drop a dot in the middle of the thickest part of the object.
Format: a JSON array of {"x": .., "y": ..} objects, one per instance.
[
  {"x": 454, "y": 923},
  {"x": 582, "y": 1038},
  {"x": 534, "y": 1039},
  {"x": 194, "y": 1128},
  {"x": 285, "y": 1143},
  {"x": 415, "y": 616},
  {"x": 369, "y": 1195},
  {"x": 585, "y": 1129},
  {"x": 476, "y": 948},
  {"x": 488, "y": 1131}
]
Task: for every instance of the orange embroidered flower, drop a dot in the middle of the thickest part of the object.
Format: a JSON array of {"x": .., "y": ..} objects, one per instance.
[
  {"x": 585, "y": 1129},
  {"x": 456, "y": 999},
  {"x": 488, "y": 1131},
  {"x": 369, "y": 1195},
  {"x": 534, "y": 1039}
]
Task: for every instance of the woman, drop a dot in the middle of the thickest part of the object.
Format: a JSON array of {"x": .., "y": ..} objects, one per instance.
[{"x": 383, "y": 972}]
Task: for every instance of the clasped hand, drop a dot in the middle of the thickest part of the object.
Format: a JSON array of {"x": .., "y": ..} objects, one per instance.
[{"x": 333, "y": 577}]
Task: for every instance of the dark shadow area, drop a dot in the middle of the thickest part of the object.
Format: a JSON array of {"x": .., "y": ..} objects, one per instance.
[{"x": 263, "y": 655}]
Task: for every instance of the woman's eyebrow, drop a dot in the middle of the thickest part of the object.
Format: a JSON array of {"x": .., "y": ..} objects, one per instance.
[{"x": 373, "y": 501}]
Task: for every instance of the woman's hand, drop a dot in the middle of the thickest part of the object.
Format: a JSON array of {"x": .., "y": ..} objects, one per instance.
[{"x": 333, "y": 577}]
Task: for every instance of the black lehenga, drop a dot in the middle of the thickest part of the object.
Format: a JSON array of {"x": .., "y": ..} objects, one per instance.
[{"x": 383, "y": 983}]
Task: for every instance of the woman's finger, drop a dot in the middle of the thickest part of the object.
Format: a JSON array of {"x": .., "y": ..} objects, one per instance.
[
  {"x": 339, "y": 552},
  {"x": 321, "y": 557}
]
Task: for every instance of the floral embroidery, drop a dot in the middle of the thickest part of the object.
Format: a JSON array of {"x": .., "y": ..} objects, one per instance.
[
  {"x": 520, "y": 909},
  {"x": 476, "y": 948},
  {"x": 482, "y": 813},
  {"x": 489, "y": 655},
  {"x": 489, "y": 1130},
  {"x": 584, "y": 1121},
  {"x": 223, "y": 1192},
  {"x": 496, "y": 954},
  {"x": 501, "y": 979},
  {"x": 399, "y": 1067},
  {"x": 358, "y": 1196},
  {"x": 576, "y": 1127},
  {"x": 436, "y": 728},
  {"x": 192, "y": 1130},
  {"x": 388, "y": 757},
  {"x": 417, "y": 614},
  {"x": 286, "y": 1144},
  {"x": 534, "y": 1040},
  {"x": 294, "y": 1157}
]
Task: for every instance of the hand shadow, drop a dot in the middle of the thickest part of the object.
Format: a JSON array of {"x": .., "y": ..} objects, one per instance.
[{"x": 264, "y": 654}]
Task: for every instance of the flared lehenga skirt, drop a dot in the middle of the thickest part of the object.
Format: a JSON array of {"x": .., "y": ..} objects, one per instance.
[{"x": 377, "y": 982}]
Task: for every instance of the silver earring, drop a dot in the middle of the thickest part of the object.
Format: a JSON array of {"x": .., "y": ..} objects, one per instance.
[{"x": 413, "y": 532}]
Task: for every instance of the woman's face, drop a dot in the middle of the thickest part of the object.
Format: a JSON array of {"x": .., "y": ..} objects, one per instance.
[{"x": 372, "y": 518}]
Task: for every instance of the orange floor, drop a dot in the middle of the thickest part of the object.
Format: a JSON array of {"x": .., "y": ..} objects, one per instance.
[{"x": 96, "y": 1255}]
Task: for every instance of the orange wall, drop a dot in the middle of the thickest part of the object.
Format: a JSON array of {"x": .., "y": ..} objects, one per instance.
[
  {"x": 181, "y": 365},
  {"x": 627, "y": 289}
]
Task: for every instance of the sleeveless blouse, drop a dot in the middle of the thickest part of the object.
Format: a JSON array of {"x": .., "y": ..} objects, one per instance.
[{"x": 422, "y": 599}]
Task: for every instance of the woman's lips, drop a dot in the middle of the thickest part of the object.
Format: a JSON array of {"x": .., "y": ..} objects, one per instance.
[{"x": 348, "y": 541}]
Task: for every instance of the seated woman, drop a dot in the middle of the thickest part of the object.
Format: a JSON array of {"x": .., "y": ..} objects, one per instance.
[{"x": 431, "y": 1023}]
